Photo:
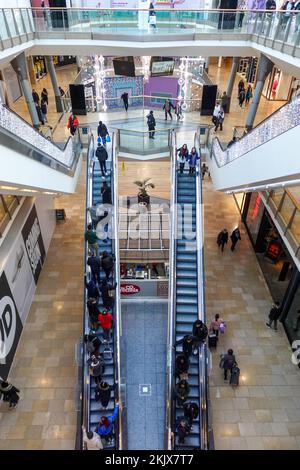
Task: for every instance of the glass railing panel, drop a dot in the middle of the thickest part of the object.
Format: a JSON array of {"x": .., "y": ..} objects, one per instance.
[
  {"x": 3, "y": 29},
  {"x": 287, "y": 209},
  {"x": 293, "y": 29},
  {"x": 10, "y": 22},
  {"x": 295, "y": 227},
  {"x": 18, "y": 18},
  {"x": 26, "y": 20},
  {"x": 276, "y": 196}
]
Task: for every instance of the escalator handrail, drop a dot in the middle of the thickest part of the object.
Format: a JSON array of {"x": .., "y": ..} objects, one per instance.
[
  {"x": 117, "y": 306},
  {"x": 170, "y": 370},
  {"x": 282, "y": 120},
  {"x": 11, "y": 124}
]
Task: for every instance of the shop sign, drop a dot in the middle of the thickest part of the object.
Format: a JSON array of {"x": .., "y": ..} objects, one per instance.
[
  {"x": 32, "y": 236},
  {"x": 129, "y": 289},
  {"x": 273, "y": 250}
]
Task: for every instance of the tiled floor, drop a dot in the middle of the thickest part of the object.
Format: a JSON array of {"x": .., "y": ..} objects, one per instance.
[
  {"x": 264, "y": 411},
  {"x": 145, "y": 336},
  {"x": 44, "y": 368}
]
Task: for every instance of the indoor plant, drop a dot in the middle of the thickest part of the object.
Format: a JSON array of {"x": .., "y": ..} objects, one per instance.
[{"x": 143, "y": 196}]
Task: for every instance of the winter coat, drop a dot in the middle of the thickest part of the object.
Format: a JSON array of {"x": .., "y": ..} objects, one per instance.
[
  {"x": 104, "y": 431},
  {"x": 182, "y": 430},
  {"x": 107, "y": 263},
  {"x": 235, "y": 236},
  {"x": 97, "y": 367},
  {"x": 9, "y": 392},
  {"x": 193, "y": 158},
  {"x": 182, "y": 393},
  {"x": 106, "y": 195},
  {"x": 103, "y": 394},
  {"x": 183, "y": 153},
  {"x": 181, "y": 368},
  {"x": 275, "y": 313},
  {"x": 151, "y": 122},
  {"x": 93, "y": 343},
  {"x": 187, "y": 346},
  {"x": 72, "y": 122},
  {"x": 92, "y": 444},
  {"x": 94, "y": 263},
  {"x": 200, "y": 331},
  {"x": 93, "y": 311},
  {"x": 191, "y": 411},
  {"x": 106, "y": 298},
  {"x": 101, "y": 153},
  {"x": 222, "y": 238},
  {"x": 102, "y": 130},
  {"x": 105, "y": 320},
  {"x": 229, "y": 361},
  {"x": 92, "y": 290},
  {"x": 91, "y": 237}
]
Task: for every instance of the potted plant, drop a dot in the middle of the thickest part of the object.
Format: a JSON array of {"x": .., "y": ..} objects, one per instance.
[{"x": 143, "y": 196}]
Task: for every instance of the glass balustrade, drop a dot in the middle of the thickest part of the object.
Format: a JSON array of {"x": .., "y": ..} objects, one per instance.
[
  {"x": 8, "y": 206},
  {"x": 279, "y": 27}
]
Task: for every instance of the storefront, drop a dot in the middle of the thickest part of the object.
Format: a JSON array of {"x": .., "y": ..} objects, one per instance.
[
  {"x": 144, "y": 279},
  {"x": 278, "y": 85},
  {"x": 39, "y": 66},
  {"x": 248, "y": 68}
]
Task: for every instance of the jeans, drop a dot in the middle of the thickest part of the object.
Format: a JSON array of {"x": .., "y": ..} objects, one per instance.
[
  {"x": 107, "y": 273},
  {"x": 168, "y": 113},
  {"x": 125, "y": 105},
  {"x": 151, "y": 133},
  {"x": 181, "y": 167},
  {"x": 192, "y": 170},
  {"x": 225, "y": 373},
  {"x": 106, "y": 334},
  {"x": 275, "y": 324},
  {"x": 96, "y": 276},
  {"x": 103, "y": 167}
]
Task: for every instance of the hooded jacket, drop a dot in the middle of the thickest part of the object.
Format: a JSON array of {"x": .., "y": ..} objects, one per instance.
[{"x": 103, "y": 430}]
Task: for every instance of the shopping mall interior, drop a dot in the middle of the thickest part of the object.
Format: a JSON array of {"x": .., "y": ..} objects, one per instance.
[{"x": 149, "y": 290}]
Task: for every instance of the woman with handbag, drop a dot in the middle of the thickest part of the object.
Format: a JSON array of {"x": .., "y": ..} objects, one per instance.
[{"x": 216, "y": 325}]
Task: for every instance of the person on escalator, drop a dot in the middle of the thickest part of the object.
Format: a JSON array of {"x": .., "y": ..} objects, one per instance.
[
  {"x": 93, "y": 343},
  {"x": 107, "y": 264},
  {"x": 106, "y": 319},
  {"x": 102, "y": 155},
  {"x": 106, "y": 291},
  {"x": 90, "y": 236},
  {"x": 182, "y": 365},
  {"x": 95, "y": 265},
  {"x": 102, "y": 132},
  {"x": 193, "y": 159},
  {"x": 105, "y": 427},
  {"x": 103, "y": 393},
  {"x": 106, "y": 193},
  {"x": 183, "y": 154},
  {"x": 92, "y": 306},
  {"x": 191, "y": 412},
  {"x": 92, "y": 289},
  {"x": 187, "y": 345},
  {"x": 183, "y": 428},
  {"x": 182, "y": 390},
  {"x": 91, "y": 439},
  {"x": 200, "y": 333},
  {"x": 96, "y": 367}
]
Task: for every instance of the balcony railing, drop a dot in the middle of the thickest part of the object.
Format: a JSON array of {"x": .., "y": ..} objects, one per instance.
[{"x": 275, "y": 29}]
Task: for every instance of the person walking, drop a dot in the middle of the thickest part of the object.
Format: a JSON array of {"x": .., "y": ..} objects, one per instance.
[
  {"x": 228, "y": 362},
  {"x": 105, "y": 427},
  {"x": 73, "y": 124},
  {"x": 241, "y": 86},
  {"x": 178, "y": 110},
  {"x": 215, "y": 325},
  {"x": 167, "y": 108},
  {"x": 187, "y": 344},
  {"x": 274, "y": 315},
  {"x": 152, "y": 16},
  {"x": 103, "y": 393},
  {"x": 182, "y": 365},
  {"x": 107, "y": 264},
  {"x": 102, "y": 132},
  {"x": 193, "y": 159},
  {"x": 39, "y": 113},
  {"x": 241, "y": 97},
  {"x": 124, "y": 97},
  {"x": 224, "y": 102},
  {"x": 35, "y": 97},
  {"x": 182, "y": 390},
  {"x": 249, "y": 94},
  {"x": 91, "y": 439},
  {"x": 61, "y": 91},
  {"x": 102, "y": 155},
  {"x": 106, "y": 291},
  {"x": 183, "y": 154},
  {"x": 151, "y": 124},
  {"x": 222, "y": 238},
  {"x": 90, "y": 236},
  {"x": 44, "y": 110},
  {"x": 92, "y": 306},
  {"x": 9, "y": 393},
  {"x": 95, "y": 265},
  {"x": 235, "y": 237},
  {"x": 216, "y": 113},
  {"x": 220, "y": 120},
  {"x": 242, "y": 6},
  {"x": 105, "y": 319},
  {"x": 44, "y": 96},
  {"x": 182, "y": 428}
]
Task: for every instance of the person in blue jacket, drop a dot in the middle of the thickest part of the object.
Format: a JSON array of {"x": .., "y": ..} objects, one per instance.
[
  {"x": 105, "y": 427},
  {"x": 192, "y": 159}
]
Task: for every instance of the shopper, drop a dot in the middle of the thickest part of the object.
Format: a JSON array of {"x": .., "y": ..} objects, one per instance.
[
  {"x": 241, "y": 97},
  {"x": 106, "y": 193},
  {"x": 73, "y": 124},
  {"x": 92, "y": 306},
  {"x": 216, "y": 113},
  {"x": 193, "y": 159},
  {"x": 44, "y": 110},
  {"x": 191, "y": 412},
  {"x": 35, "y": 97},
  {"x": 183, "y": 428},
  {"x": 151, "y": 124},
  {"x": 103, "y": 393},
  {"x": 296, "y": 9},
  {"x": 182, "y": 365},
  {"x": 93, "y": 343},
  {"x": 95, "y": 264},
  {"x": 204, "y": 169},
  {"x": 274, "y": 315},
  {"x": 187, "y": 344},
  {"x": 107, "y": 264},
  {"x": 62, "y": 93},
  {"x": 106, "y": 291},
  {"x": 167, "y": 108},
  {"x": 288, "y": 6},
  {"x": 124, "y": 97},
  {"x": 102, "y": 155},
  {"x": 96, "y": 367},
  {"x": 242, "y": 6},
  {"x": 249, "y": 94},
  {"x": 183, "y": 154},
  {"x": 92, "y": 289},
  {"x": 222, "y": 238},
  {"x": 215, "y": 325},
  {"x": 44, "y": 96},
  {"x": 224, "y": 102},
  {"x": 228, "y": 362},
  {"x": 152, "y": 16},
  {"x": 231, "y": 142},
  {"x": 220, "y": 120},
  {"x": 39, "y": 113},
  {"x": 92, "y": 239},
  {"x": 200, "y": 333},
  {"x": 178, "y": 110},
  {"x": 102, "y": 132},
  {"x": 182, "y": 390},
  {"x": 241, "y": 86},
  {"x": 235, "y": 237},
  {"x": 105, "y": 319},
  {"x": 105, "y": 427},
  {"x": 9, "y": 393},
  {"x": 91, "y": 439}
]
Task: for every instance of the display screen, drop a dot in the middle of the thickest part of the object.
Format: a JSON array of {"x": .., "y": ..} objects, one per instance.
[
  {"x": 162, "y": 67},
  {"x": 124, "y": 66}
]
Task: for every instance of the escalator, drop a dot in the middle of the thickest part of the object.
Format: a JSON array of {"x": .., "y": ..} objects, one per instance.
[
  {"x": 265, "y": 158},
  {"x": 36, "y": 163},
  {"x": 92, "y": 409},
  {"x": 187, "y": 305}
]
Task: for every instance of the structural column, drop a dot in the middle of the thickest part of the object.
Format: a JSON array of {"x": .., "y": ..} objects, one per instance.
[
  {"x": 234, "y": 69},
  {"x": 20, "y": 67},
  {"x": 265, "y": 67},
  {"x": 52, "y": 73}
]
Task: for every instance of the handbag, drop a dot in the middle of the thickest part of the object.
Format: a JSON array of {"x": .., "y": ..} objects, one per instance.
[
  {"x": 222, "y": 327},
  {"x": 108, "y": 139}
]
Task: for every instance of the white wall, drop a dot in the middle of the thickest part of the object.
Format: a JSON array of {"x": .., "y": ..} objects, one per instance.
[{"x": 15, "y": 4}]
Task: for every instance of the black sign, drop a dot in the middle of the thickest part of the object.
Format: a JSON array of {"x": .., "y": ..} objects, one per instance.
[
  {"x": 10, "y": 327},
  {"x": 34, "y": 244}
]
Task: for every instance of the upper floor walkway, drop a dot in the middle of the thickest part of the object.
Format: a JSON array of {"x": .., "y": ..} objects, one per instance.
[{"x": 176, "y": 32}]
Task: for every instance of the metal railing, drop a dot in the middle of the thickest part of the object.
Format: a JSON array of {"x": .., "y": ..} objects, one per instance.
[{"x": 274, "y": 29}]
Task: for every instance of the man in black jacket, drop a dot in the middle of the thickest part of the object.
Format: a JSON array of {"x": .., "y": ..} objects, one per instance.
[
  {"x": 102, "y": 155},
  {"x": 274, "y": 315},
  {"x": 102, "y": 132},
  {"x": 235, "y": 237},
  {"x": 124, "y": 97},
  {"x": 151, "y": 124},
  {"x": 107, "y": 263},
  {"x": 95, "y": 265}
]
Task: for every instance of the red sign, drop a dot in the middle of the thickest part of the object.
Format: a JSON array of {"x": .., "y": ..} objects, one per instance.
[
  {"x": 129, "y": 289},
  {"x": 273, "y": 251}
]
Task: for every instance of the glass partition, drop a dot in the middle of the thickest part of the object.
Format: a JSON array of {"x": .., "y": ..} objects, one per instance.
[
  {"x": 8, "y": 205},
  {"x": 140, "y": 142}
]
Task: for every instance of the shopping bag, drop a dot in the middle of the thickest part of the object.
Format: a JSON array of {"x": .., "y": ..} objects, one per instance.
[{"x": 108, "y": 139}]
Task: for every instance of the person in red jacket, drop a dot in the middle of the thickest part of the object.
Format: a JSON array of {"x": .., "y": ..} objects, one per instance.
[
  {"x": 105, "y": 319},
  {"x": 73, "y": 124}
]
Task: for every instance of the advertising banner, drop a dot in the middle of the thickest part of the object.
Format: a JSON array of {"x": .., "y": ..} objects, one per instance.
[
  {"x": 174, "y": 4},
  {"x": 34, "y": 244},
  {"x": 10, "y": 327}
]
